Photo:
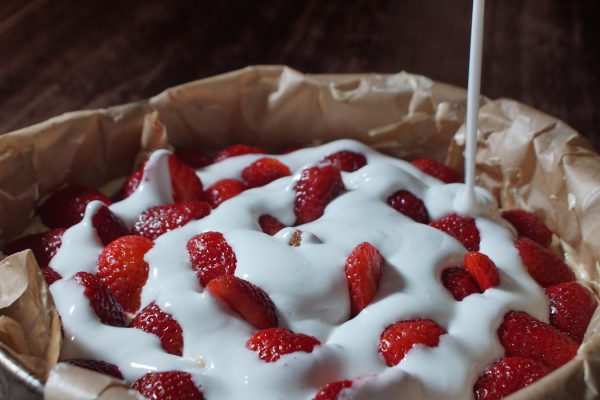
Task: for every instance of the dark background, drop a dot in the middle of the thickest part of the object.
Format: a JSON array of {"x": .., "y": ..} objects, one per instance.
[{"x": 59, "y": 55}]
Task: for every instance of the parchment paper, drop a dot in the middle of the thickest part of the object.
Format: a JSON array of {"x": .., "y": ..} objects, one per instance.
[{"x": 526, "y": 158}]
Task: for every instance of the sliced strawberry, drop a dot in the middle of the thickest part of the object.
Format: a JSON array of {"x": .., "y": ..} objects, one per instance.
[
  {"x": 438, "y": 170},
  {"x": 483, "y": 269},
  {"x": 50, "y": 275},
  {"x": 272, "y": 343},
  {"x": 543, "y": 266},
  {"x": 363, "y": 273},
  {"x": 237, "y": 150},
  {"x": 524, "y": 336},
  {"x": 459, "y": 282},
  {"x": 168, "y": 385},
  {"x": 43, "y": 245},
  {"x": 105, "y": 305},
  {"x": 409, "y": 205},
  {"x": 461, "y": 228},
  {"x": 315, "y": 189},
  {"x": 159, "y": 220},
  {"x": 108, "y": 226},
  {"x": 122, "y": 268},
  {"x": 184, "y": 181},
  {"x": 66, "y": 207},
  {"x": 346, "y": 160},
  {"x": 506, "y": 376},
  {"x": 397, "y": 339},
  {"x": 270, "y": 225},
  {"x": 224, "y": 190},
  {"x": 192, "y": 157},
  {"x": 153, "y": 320},
  {"x": 332, "y": 390},
  {"x": 211, "y": 256},
  {"x": 571, "y": 308},
  {"x": 246, "y": 299},
  {"x": 263, "y": 171},
  {"x": 102, "y": 367},
  {"x": 529, "y": 225},
  {"x": 131, "y": 184}
]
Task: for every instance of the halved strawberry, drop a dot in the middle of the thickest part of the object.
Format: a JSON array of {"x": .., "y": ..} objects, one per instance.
[
  {"x": 543, "y": 266},
  {"x": 459, "y": 282},
  {"x": 461, "y": 228},
  {"x": 192, "y": 157},
  {"x": 332, "y": 390},
  {"x": 409, "y": 205},
  {"x": 131, "y": 184},
  {"x": 524, "y": 336},
  {"x": 438, "y": 170},
  {"x": 529, "y": 225},
  {"x": 272, "y": 343},
  {"x": 66, "y": 207},
  {"x": 483, "y": 269},
  {"x": 224, "y": 190},
  {"x": 103, "y": 367},
  {"x": 397, "y": 339},
  {"x": 168, "y": 385},
  {"x": 153, "y": 320},
  {"x": 50, "y": 275},
  {"x": 159, "y": 220},
  {"x": 506, "y": 376},
  {"x": 269, "y": 224},
  {"x": 246, "y": 299},
  {"x": 122, "y": 268},
  {"x": 363, "y": 273},
  {"x": 43, "y": 245},
  {"x": 184, "y": 181},
  {"x": 263, "y": 171},
  {"x": 211, "y": 256},
  {"x": 346, "y": 160},
  {"x": 105, "y": 305},
  {"x": 237, "y": 150},
  {"x": 571, "y": 308},
  {"x": 108, "y": 226},
  {"x": 316, "y": 187}
]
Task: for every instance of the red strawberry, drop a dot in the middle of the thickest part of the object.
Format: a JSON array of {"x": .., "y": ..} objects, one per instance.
[
  {"x": 108, "y": 226},
  {"x": 184, "y": 181},
  {"x": 168, "y": 385},
  {"x": 270, "y": 225},
  {"x": 224, "y": 190},
  {"x": 237, "y": 150},
  {"x": 106, "y": 307},
  {"x": 529, "y": 225},
  {"x": 524, "y": 336},
  {"x": 66, "y": 207},
  {"x": 363, "y": 273},
  {"x": 263, "y": 171},
  {"x": 459, "y": 282},
  {"x": 158, "y": 220},
  {"x": 246, "y": 299},
  {"x": 461, "y": 228},
  {"x": 571, "y": 308},
  {"x": 192, "y": 157},
  {"x": 346, "y": 160},
  {"x": 211, "y": 256},
  {"x": 102, "y": 367},
  {"x": 397, "y": 339},
  {"x": 483, "y": 269},
  {"x": 437, "y": 170},
  {"x": 153, "y": 320},
  {"x": 543, "y": 266},
  {"x": 332, "y": 390},
  {"x": 43, "y": 245},
  {"x": 50, "y": 275},
  {"x": 315, "y": 189},
  {"x": 272, "y": 343},
  {"x": 131, "y": 184},
  {"x": 506, "y": 376},
  {"x": 409, "y": 205},
  {"x": 122, "y": 268}
]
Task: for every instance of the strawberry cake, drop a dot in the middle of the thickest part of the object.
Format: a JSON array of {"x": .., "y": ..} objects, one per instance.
[{"x": 330, "y": 272}]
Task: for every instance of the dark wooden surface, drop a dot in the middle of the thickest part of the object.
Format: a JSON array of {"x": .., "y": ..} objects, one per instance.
[{"x": 60, "y": 55}]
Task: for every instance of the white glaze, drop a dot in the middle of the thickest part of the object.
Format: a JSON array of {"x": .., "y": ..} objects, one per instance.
[{"x": 307, "y": 284}]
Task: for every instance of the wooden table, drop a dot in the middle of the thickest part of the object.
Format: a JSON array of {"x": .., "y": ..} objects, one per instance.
[{"x": 60, "y": 55}]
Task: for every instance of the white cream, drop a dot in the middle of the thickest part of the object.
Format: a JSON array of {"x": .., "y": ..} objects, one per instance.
[{"x": 308, "y": 286}]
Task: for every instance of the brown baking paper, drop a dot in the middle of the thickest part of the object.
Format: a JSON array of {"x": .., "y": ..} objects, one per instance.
[{"x": 526, "y": 158}]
